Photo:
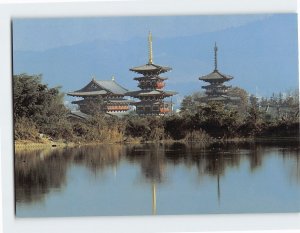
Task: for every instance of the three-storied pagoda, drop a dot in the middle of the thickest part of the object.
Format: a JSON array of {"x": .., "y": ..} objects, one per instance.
[
  {"x": 151, "y": 95},
  {"x": 217, "y": 90},
  {"x": 108, "y": 94}
]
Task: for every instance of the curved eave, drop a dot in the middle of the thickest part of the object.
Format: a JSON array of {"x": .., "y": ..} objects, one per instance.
[
  {"x": 215, "y": 87},
  {"x": 214, "y": 79},
  {"x": 151, "y": 93},
  {"x": 151, "y": 78},
  {"x": 218, "y": 98},
  {"x": 121, "y": 101},
  {"x": 150, "y": 68},
  {"x": 215, "y": 76},
  {"x": 84, "y": 94},
  {"x": 223, "y": 98},
  {"x": 170, "y": 93}
]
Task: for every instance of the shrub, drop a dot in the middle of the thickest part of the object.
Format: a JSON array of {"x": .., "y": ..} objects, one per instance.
[{"x": 25, "y": 129}]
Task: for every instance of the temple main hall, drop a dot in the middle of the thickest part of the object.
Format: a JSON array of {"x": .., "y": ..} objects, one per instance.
[{"x": 108, "y": 96}]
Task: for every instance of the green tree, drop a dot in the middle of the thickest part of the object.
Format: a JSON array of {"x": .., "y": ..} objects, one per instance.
[
  {"x": 242, "y": 95},
  {"x": 254, "y": 120},
  {"x": 191, "y": 103},
  {"x": 42, "y": 105},
  {"x": 94, "y": 105}
]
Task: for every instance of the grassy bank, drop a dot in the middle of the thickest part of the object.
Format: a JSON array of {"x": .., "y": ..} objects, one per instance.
[
  {"x": 40, "y": 144},
  {"x": 45, "y": 143}
]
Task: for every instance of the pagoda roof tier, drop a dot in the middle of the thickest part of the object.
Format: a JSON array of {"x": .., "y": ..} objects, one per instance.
[
  {"x": 150, "y": 78},
  {"x": 219, "y": 98},
  {"x": 100, "y": 87},
  {"x": 222, "y": 98},
  {"x": 151, "y": 93},
  {"x": 216, "y": 76},
  {"x": 152, "y": 102},
  {"x": 150, "y": 68},
  {"x": 216, "y": 86},
  {"x": 147, "y": 102}
]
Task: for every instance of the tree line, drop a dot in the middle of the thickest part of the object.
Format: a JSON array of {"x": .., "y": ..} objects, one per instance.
[{"x": 39, "y": 112}]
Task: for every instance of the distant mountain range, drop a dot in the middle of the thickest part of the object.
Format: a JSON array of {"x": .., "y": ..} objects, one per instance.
[{"x": 261, "y": 57}]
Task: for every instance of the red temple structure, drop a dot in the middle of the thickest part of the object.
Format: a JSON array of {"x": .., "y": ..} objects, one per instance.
[
  {"x": 151, "y": 84},
  {"x": 107, "y": 93}
]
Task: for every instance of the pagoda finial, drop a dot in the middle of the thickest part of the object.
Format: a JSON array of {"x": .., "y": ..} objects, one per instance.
[
  {"x": 150, "y": 48},
  {"x": 93, "y": 77},
  {"x": 216, "y": 56},
  {"x": 113, "y": 78}
]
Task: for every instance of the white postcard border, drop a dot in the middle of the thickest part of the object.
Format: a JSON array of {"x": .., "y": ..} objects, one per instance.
[{"x": 230, "y": 222}]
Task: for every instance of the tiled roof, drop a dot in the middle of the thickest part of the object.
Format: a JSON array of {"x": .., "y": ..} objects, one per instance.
[
  {"x": 121, "y": 101},
  {"x": 87, "y": 93},
  {"x": 100, "y": 87},
  {"x": 112, "y": 86},
  {"x": 150, "y": 78},
  {"x": 150, "y": 67},
  {"x": 150, "y": 92},
  {"x": 221, "y": 86},
  {"x": 222, "y": 98},
  {"x": 216, "y": 75}
]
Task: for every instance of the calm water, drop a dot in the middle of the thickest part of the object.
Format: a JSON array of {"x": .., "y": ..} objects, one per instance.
[{"x": 159, "y": 179}]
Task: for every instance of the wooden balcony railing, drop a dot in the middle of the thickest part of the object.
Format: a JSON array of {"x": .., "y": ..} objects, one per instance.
[{"x": 117, "y": 108}]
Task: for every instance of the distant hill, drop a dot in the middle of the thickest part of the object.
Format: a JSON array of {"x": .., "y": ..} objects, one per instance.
[{"x": 262, "y": 58}]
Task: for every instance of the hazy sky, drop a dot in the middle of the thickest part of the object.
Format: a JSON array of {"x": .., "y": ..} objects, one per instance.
[
  {"x": 43, "y": 34},
  {"x": 260, "y": 51}
]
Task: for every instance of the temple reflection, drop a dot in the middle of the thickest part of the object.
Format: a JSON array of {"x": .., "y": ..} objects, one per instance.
[
  {"x": 153, "y": 199},
  {"x": 39, "y": 172}
]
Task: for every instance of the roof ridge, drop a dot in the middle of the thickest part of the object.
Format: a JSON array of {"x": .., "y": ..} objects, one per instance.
[
  {"x": 119, "y": 85},
  {"x": 112, "y": 82}
]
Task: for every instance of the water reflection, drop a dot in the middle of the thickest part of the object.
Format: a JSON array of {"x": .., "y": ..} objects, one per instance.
[
  {"x": 37, "y": 173},
  {"x": 98, "y": 158}
]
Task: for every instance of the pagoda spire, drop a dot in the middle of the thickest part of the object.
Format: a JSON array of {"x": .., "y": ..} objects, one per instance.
[
  {"x": 216, "y": 56},
  {"x": 150, "y": 48}
]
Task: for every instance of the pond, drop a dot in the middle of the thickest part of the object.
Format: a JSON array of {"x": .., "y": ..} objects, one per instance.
[{"x": 159, "y": 179}]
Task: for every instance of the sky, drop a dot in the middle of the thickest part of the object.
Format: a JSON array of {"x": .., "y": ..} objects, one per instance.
[
  {"x": 43, "y": 34},
  {"x": 259, "y": 51}
]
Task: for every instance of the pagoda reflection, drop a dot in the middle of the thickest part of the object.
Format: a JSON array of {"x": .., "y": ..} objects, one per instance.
[{"x": 39, "y": 172}]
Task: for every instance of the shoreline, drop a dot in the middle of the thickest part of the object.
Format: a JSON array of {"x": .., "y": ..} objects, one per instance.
[
  {"x": 44, "y": 144},
  {"x": 34, "y": 145}
]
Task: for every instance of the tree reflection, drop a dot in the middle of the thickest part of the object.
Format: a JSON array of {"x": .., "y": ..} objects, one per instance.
[
  {"x": 36, "y": 172},
  {"x": 98, "y": 158},
  {"x": 151, "y": 160},
  {"x": 39, "y": 172},
  {"x": 292, "y": 152}
]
